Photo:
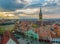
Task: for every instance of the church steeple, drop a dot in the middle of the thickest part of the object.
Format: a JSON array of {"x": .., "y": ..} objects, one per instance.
[{"x": 40, "y": 15}]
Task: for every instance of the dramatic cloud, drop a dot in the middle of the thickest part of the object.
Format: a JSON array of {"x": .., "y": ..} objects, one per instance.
[
  {"x": 26, "y": 8},
  {"x": 51, "y": 10},
  {"x": 11, "y": 4},
  {"x": 44, "y": 3},
  {"x": 17, "y": 4}
]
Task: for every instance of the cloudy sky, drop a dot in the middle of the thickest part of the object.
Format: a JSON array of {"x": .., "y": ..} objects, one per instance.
[{"x": 29, "y": 8}]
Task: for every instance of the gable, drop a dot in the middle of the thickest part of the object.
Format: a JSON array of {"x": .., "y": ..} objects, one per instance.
[{"x": 11, "y": 42}]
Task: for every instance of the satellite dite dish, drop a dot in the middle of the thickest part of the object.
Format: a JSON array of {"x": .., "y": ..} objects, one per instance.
[{"x": 8, "y": 38}]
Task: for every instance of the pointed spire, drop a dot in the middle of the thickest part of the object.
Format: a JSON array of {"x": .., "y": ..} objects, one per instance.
[{"x": 40, "y": 15}]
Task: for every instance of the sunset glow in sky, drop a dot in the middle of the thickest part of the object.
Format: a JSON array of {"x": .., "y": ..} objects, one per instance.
[{"x": 30, "y": 8}]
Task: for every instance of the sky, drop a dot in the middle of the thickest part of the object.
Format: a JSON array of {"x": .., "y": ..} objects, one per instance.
[{"x": 29, "y": 8}]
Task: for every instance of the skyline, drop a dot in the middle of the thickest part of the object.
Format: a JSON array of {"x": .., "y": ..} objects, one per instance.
[{"x": 30, "y": 8}]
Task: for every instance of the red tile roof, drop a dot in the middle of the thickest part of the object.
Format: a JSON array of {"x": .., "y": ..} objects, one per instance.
[{"x": 6, "y": 36}]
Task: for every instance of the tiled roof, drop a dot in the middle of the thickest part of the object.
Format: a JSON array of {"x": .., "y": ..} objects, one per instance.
[{"x": 6, "y": 36}]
